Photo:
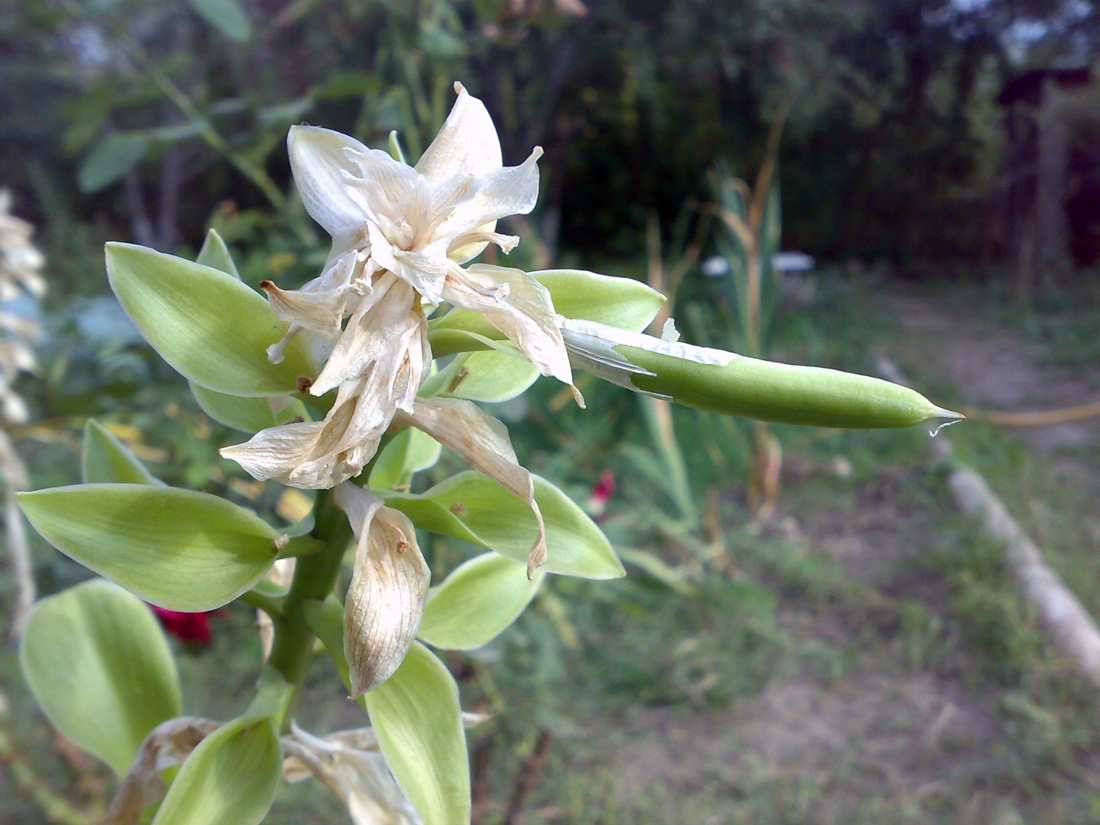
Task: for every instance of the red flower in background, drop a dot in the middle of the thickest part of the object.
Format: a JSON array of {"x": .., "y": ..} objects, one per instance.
[
  {"x": 601, "y": 493},
  {"x": 190, "y": 627}
]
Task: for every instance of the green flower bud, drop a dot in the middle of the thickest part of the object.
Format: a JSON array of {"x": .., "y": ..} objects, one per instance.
[{"x": 723, "y": 382}]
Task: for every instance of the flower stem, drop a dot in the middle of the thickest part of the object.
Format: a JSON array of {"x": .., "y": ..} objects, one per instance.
[{"x": 314, "y": 578}]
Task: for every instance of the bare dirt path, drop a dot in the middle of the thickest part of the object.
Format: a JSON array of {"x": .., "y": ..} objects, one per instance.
[{"x": 992, "y": 366}]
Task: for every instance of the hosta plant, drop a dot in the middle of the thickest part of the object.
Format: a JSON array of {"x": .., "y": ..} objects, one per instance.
[{"x": 336, "y": 388}]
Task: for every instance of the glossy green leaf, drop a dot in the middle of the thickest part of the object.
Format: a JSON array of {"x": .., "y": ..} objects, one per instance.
[
  {"x": 227, "y": 16},
  {"x": 99, "y": 666},
  {"x": 209, "y": 326},
  {"x": 408, "y": 453},
  {"x": 491, "y": 377},
  {"x": 418, "y": 719},
  {"x": 105, "y": 459},
  {"x": 249, "y": 415},
  {"x": 179, "y": 549},
  {"x": 111, "y": 158},
  {"x": 229, "y": 779},
  {"x": 476, "y": 602},
  {"x": 474, "y": 508},
  {"x": 619, "y": 302},
  {"x": 215, "y": 254}
]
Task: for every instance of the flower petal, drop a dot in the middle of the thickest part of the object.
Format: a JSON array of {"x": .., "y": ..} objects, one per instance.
[
  {"x": 513, "y": 190},
  {"x": 389, "y": 587},
  {"x": 467, "y": 142},
  {"x": 319, "y": 160},
  {"x": 425, "y": 273},
  {"x": 358, "y": 775},
  {"x": 517, "y": 305},
  {"x": 378, "y": 183},
  {"x": 386, "y": 325},
  {"x": 482, "y": 442},
  {"x": 320, "y": 454},
  {"x": 167, "y": 745},
  {"x": 319, "y": 312}
]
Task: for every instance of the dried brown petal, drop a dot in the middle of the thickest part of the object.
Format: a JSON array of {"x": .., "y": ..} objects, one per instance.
[
  {"x": 389, "y": 587},
  {"x": 482, "y": 442}
]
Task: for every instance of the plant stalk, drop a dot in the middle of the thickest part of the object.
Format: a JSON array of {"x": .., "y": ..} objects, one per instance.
[{"x": 314, "y": 578}]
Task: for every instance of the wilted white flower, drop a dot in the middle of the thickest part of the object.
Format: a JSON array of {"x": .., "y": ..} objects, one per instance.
[
  {"x": 389, "y": 584},
  {"x": 354, "y": 770},
  {"x": 349, "y": 763},
  {"x": 400, "y": 235},
  {"x": 165, "y": 746}
]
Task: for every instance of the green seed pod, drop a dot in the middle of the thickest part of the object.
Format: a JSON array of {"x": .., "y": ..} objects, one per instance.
[{"x": 723, "y": 382}]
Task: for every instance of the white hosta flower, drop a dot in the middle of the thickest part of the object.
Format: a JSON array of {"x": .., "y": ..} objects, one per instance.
[{"x": 399, "y": 237}]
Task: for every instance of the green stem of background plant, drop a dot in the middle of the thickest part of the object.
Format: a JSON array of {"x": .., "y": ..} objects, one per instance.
[
  {"x": 211, "y": 135},
  {"x": 314, "y": 579}
]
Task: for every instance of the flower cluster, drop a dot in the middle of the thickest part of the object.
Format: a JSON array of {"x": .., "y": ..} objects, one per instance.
[
  {"x": 401, "y": 239},
  {"x": 400, "y": 235}
]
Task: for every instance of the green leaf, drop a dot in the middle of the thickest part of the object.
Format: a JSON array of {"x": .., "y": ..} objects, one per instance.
[
  {"x": 178, "y": 549},
  {"x": 249, "y": 415},
  {"x": 107, "y": 461},
  {"x": 209, "y": 326},
  {"x": 439, "y": 43},
  {"x": 226, "y": 16},
  {"x": 418, "y": 719},
  {"x": 408, "y": 453},
  {"x": 99, "y": 666},
  {"x": 229, "y": 779},
  {"x": 588, "y": 296},
  {"x": 215, "y": 254},
  {"x": 326, "y": 620},
  {"x": 490, "y": 377},
  {"x": 476, "y": 602},
  {"x": 619, "y": 302},
  {"x": 111, "y": 158},
  {"x": 474, "y": 508}
]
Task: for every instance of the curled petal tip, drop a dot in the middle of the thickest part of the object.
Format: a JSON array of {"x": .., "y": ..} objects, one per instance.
[
  {"x": 578, "y": 397},
  {"x": 536, "y": 560},
  {"x": 459, "y": 88}
]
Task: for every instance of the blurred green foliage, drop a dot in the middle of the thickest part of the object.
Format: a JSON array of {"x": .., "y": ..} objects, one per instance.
[{"x": 140, "y": 121}]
